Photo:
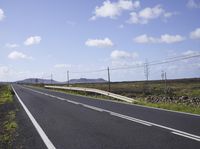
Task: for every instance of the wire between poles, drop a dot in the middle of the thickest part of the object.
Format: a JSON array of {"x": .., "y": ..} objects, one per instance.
[{"x": 152, "y": 63}]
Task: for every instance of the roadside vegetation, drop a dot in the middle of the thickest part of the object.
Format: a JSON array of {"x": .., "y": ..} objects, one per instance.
[
  {"x": 138, "y": 89},
  {"x": 171, "y": 106},
  {"x": 8, "y": 124},
  {"x": 178, "y": 95}
]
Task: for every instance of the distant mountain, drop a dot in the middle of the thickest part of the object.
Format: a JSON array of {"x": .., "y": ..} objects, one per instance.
[
  {"x": 38, "y": 81},
  {"x": 85, "y": 80},
  {"x": 72, "y": 81}
]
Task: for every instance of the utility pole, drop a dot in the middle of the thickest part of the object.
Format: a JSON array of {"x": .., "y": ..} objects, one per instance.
[
  {"x": 146, "y": 74},
  {"x": 108, "y": 79},
  {"x": 162, "y": 75},
  {"x": 68, "y": 78},
  {"x": 165, "y": 82},
  {"x": 51, "y": 78},
  {"x": 146, "y": 70}
]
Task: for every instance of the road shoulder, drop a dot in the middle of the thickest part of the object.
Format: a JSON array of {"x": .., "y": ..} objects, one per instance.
[{"x": 27, "y": 134}]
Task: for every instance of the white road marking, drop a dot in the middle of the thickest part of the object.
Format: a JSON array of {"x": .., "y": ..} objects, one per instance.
[
  {"x": 130, "y": 118},
  {"x": 96, "y": 109},
  {"x": 137, "y": 105},
  {"x": 186, "y": 136},
  {"x": 42, "y": 134},
  {"x": 93, "y": 108},
  {"x": 76, "y": 103},
  {"x": 174, "y": 131}
]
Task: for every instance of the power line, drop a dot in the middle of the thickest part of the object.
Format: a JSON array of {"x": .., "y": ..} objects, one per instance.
[
  {"x": 174, "y": 60},
  {"x": 151, "y": 63},
  {"x": 175, "y": 57}
]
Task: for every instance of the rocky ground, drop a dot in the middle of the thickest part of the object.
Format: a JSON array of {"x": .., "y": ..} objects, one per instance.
[{"x": 193, "y": 101}]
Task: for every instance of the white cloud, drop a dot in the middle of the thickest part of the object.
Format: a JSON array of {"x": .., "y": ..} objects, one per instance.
[
  {"x": 117, "y": 54},
  {"x": 190, "y": 52},
  {"x": 193, "y": 4},
  {"x": 151, "y": 13},
  {"x": 166, "y": 38},
  {"x": 121, "y": 58},
  {"x": 12, "y": 45},
  {"x": 32, "y": 40},
  {"x": 145, "y": 39},
  {"x": 114, "y": 9},
  {"x": 15, "y": 55},
  {"x": 126, "y": 63},
  {"x": 195, "y": 34},
  {"x": 2, "y": 16},
  {"x": 11, "y": 73},
  {"x": 170, "y": 14},
  {"x": 148, "y": 13},
  {"x": 106, "y": 42},
  {"x": 62, "y": 66},
  {"x": 4, "y": 70}
]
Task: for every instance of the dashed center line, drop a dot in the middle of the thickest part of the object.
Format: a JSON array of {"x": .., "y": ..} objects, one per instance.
[{"x": 146, "y": 123}]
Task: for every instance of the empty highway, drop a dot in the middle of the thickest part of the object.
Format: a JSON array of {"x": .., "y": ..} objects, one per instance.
[{"x": 66, "y": 121}]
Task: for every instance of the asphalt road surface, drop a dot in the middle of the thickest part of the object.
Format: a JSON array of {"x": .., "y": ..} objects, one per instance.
[{"x": 66, "y": 121}]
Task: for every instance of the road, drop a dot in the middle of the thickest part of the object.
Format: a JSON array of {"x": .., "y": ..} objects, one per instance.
[{"x": 73, "y": 122}]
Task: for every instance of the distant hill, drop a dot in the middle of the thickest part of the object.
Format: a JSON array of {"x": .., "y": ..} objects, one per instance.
[
  {"x": 38, "y": 81},
  {"x": 48, "y": 81}
]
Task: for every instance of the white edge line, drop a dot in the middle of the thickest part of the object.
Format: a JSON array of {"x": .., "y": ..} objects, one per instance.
[
  {"x": 191, "y": 136},
  {"x": 176, "y": 133},
  {"x": 42, "y": 134}
]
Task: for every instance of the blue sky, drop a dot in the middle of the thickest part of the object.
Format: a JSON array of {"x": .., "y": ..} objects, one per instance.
[{"x": 40, "y": 37}]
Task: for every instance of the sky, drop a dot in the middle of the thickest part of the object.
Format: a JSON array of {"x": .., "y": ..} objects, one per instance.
[{"x": 43, "y": 37}]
